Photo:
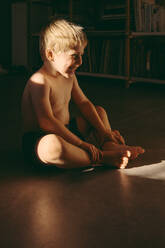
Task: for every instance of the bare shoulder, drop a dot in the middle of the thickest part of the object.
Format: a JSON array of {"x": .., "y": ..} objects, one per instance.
[
  {"x": 37, "y": 82},
  {"x": 37, "y": 78},
  {"x": 37, "y": 87}
]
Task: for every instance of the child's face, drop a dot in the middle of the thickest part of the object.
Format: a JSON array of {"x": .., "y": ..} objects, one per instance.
[{"x": 67, "y": 62}]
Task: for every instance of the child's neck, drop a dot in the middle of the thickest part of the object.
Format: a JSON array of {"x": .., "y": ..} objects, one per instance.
[{"x": 49, "y": 70}]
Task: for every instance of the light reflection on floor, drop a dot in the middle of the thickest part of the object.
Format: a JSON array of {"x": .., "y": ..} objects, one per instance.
[{"x": 153, "y": 171}]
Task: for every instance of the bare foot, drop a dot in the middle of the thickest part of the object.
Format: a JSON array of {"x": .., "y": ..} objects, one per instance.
[
  {"x": 118, "y": 159},
  {"x": 135, "y": 150}
]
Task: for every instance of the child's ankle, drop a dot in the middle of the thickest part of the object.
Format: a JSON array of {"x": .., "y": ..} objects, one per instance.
[{"x": 107, "y": 145}]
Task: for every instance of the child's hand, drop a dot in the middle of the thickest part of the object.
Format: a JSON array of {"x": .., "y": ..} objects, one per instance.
[
  {"x": 118, "y": 137},
  {"x": 92, "y": 150}
]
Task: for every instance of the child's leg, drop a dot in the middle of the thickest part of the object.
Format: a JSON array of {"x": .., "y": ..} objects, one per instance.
[
  {"x": 54, "y": 150},
  {"x": 135, "y": 150},
  {"x": 104, "y": 117},
  {"x": 84, "y": 129}
]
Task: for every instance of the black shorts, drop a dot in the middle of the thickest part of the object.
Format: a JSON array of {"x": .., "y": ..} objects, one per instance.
[
  {"x": 29, "y": 142},
  {"x": 30, "y": 139}
]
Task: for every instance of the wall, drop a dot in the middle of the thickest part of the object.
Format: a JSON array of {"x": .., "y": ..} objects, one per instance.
[
  {"x": 5, "y": 27},
  {"x": 19, "y": 34}
]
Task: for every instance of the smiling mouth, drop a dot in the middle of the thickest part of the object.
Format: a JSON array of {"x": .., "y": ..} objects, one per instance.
[{"x": 72, "y": 69}]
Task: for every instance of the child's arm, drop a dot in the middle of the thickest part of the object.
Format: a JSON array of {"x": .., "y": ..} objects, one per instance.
[{"x": 89, "y": 112}]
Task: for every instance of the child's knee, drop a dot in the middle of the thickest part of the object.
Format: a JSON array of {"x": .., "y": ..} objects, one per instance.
[{"x": 49, "y": 148}]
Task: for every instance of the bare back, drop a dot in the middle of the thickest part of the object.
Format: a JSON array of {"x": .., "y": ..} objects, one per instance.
[{"x": 45, "y": 97}]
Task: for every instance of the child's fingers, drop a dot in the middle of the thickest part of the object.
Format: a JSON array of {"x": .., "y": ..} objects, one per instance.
[
  {"x": 119, "y": 137},
  {"x": 94, "y": 154}
]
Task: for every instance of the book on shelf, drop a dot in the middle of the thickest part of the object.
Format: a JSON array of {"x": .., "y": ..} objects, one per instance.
[
  {"x": 112, "y": 16},
  {"x": 114, "y": 12},
  {"x": 104, "y": 56},
  {"x": 147, "y": 59},
  {"x": 149, "y": 16}
]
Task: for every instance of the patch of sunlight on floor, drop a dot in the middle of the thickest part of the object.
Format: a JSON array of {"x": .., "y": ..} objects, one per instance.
[{"x": 153, "y": 171}]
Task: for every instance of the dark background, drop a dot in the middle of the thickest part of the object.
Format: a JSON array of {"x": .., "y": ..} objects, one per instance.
[
  {"x": 121, "y": 104},
  {"x": 5, "y": 27},
  {"x": 99, "y": 209}
]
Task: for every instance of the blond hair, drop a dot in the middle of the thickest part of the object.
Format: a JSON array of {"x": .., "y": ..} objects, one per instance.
[{"x": 60, "y": 36}]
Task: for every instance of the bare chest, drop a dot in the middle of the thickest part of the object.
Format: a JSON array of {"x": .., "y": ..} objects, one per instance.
[{"x": 60, "y": 96}]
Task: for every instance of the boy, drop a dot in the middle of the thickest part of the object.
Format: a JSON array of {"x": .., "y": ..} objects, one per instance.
[{"x": 50, "y": 138}]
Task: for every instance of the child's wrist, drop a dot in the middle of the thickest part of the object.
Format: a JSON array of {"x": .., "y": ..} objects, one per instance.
[
  {"x": 109, "y": 136},
  {"x": 80, "y": 144}
]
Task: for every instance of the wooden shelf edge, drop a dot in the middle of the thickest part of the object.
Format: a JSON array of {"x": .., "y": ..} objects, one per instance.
[
  {"x": 146, "y": 34},
  {"x": 91, "y": 33},
  {"x": 130, "y": 81},
  {"x": 147, "y": 80},
  {"x": 101, "y": 75}
]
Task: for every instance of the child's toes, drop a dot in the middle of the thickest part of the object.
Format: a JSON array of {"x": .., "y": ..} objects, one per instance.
[
  {"x": 128, "y": 153},
  {"x": 124, "y": 163},
  {"x": 140, "y": 149}
]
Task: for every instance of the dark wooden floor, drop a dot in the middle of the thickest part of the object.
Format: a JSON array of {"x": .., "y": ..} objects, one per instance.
[{"x": 102, "y": 208}]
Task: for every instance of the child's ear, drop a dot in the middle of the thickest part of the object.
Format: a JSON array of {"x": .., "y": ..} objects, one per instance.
[{"x": 50, "y": 55}]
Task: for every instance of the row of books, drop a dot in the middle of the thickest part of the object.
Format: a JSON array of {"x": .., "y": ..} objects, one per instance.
[
  {"x": 108, "y": 57},
  {"x": 149, "y": 16},
  {"x": 113, "y": 10},
  {"x": 104, "y": 56},
  {"x": 147, "y": 59},
  {"x": 113, "y": 16}
]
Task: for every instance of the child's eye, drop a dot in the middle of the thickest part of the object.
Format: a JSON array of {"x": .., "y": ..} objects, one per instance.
[{"x": 75, "y": 56}]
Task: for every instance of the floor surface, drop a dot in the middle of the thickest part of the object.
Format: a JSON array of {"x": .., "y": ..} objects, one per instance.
[{"x": 102, "y": 208}]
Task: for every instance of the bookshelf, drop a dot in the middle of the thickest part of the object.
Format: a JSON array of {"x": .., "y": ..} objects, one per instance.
[
  {"x": 137, "y": 29},
  {"x": 126, "y": 37},
  {"x": 147, "y": 40},
  {"x": 106, "y": 53}
]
